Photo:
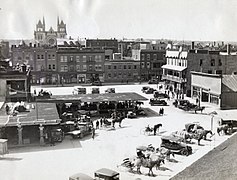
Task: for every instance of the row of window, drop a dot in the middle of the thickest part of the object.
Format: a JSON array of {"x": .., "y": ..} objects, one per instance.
[
  {"x": 177, "y": 62},
  {"x": 122, "y": 66},
  {"x": 212, "y": 62},
  {"x": 96, "y": 58},
  {"x": 64, "y": 68},
  {"x": 120, "y": 75},
  {"x": 149, "y": 57}
]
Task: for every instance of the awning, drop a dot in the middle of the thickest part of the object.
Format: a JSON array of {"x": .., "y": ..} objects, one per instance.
[{"x": 172, "y": 67}]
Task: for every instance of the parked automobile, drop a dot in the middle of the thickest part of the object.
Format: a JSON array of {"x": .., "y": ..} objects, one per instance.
[
  {"x": 80, "y": 176},
  {"x": 106, "y": 174},
  {"x": 230, "y": 122},
  {"x": 80, "y": 91},
  {"x": 110, "y": 90},
  {"x": 131, "y": 115},
  {"x": 95, "y": 91},
  {"x": 81, "y": 129},
  {"x": 160, "y": 95},
  {"x": 157, "y": 102},
  {"x": 175, "y": 145},
  {"x": 57, "y": 134},
  {"x": 96, "y": 83},
  {"x": 144, "y": 88},
  {"x": 153, "y": 81},
  {"x": 150, "y": 90}
]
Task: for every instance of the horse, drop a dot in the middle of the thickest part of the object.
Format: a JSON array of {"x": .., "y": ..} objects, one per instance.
[
  {"x": 152, "y": 161},
  {"x": 204, "y": 133},
  {"x": 165, "y": 153},
  {"x": 118, "y": 120},
  {"x": 156, "y": 127}
]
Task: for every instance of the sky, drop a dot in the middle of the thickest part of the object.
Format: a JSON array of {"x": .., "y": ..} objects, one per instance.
[{"x": 198, "y": 20}]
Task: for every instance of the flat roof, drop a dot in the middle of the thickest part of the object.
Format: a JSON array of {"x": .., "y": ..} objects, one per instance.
[
  {"x": 105, "y": 97},
  {"x": 42, "y": 113}
]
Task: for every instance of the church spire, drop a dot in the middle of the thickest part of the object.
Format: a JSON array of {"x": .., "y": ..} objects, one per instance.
[{"x": 58, "y": 20}]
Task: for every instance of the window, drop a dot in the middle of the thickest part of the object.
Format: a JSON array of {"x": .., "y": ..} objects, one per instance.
[
  {"x": 38, "y": 56},
  {"x": 235, "y": 73},
  {"x": 109, "y": 75},
  {"x": 218, "y": 71},
  {"x": 219, "y": 62},
  {"x": 71, "y": 58},
  {"x": 135, "y": 67},
  {"x": 115, "y": 67},
  {"x": 42, "y": 56},
  {"x": 200, "y": 62},
  {"x": 124, "y": 67},
  {"x": 53, "y": 66},
  {"x": 154, "y": 56},
  {"x": 78, "y": 59},
  {"x": 142, "y": 65},
  {"x": 143, "y": 57},
  {"x": 115, "y": 74},
  {"x": 212, "y": 62},
  {"x": 49, "y": 56},
  {"x": 129, "y": 74},
  {"x": 53, "y": 56},
  {"x": 49, "y": 66},
  {"x": 148, "y": 65},
  {"x": 129, "y": 66},
  {"x": 90, "y": 58},
  {"x": 42, "y": 68},
  {"x": 98, "y": 58},
  {"x": 84, "y": 58},
  {"x": 64, "y": 68},
  {"x": 84, "y": 67},
  {"x": 148, "y": 57},
  {"x": 209, "y": 71},
  {"x": 119, "y": 66},
  {"x": 109, "y": 67}
]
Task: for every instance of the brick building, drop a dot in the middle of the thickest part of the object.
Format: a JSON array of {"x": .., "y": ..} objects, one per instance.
[
  {"x": 150, "y": 63},
  {"x": 103, "y": 44},
  {"x": 123, "y": 71}
]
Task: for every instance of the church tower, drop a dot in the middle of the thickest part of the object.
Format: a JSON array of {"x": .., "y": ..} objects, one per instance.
[
  {"x": 61, "y": 29},
  {"x": 39, "y": 33}
]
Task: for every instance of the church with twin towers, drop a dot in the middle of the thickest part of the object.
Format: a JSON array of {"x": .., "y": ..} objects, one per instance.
[{"x": 43, "y": 36}]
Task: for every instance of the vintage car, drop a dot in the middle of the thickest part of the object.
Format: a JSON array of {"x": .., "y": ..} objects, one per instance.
[
  {"x": 131, "y": 115},
  {"x": 43, "y": 94},
  {"x": 157, "y": 102},
  {"x": 110, "y": 90},
  {"x": 180, "y": 102},
  {"x": 80, "y": 176},
  {"x": 106, "y": 174},
  {"x": 96, "y": 83},
  {"x": 57, "y": 134},
  {"x": 230, "y": 122},
  {"x": 79, "y": 91},
  {"x": 144, "y": 88},
  {"x": 81, "y": 129},
  {"x": 95, "y": 91},
  {"x": 175, "y": 145},
  {"x": 160, "y": 95},
  {"x": 150, "y": 91}
]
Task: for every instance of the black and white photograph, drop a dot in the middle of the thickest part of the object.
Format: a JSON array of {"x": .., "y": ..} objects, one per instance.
[{"x": 118, "y": 90}]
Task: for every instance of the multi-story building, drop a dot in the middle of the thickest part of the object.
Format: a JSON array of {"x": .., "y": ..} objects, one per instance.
[
  {"x": 40, "y": 59},
  {"x": 77, "y": 65},
  {"x": 103, "y": 44},
  {"x": 49, "y": 37},
  {"x": 175, "y": 70},
  {"x": 122, "y": 71},
  {"x": 150, "y": 63},
  {"x": 211, "y": 62},
  {"x": 125, "y": 47}
]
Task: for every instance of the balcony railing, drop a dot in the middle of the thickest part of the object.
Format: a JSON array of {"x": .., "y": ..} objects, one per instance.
[{"x": 174, "y": 78}]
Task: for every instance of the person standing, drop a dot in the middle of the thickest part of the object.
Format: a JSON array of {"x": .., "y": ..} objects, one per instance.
[
  {"x": 97, "y": 124},
  {"x": 101, "y": 122},
  {"x": 93, "y": 133}
]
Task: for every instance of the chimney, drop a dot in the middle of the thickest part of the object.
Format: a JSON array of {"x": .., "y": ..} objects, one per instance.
[
  {"x": 228, "y": 48},
  {"x": 192, "y": 46}
]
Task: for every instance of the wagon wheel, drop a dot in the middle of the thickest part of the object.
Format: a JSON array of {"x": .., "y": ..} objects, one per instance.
[{"x": 184, "y": 152}]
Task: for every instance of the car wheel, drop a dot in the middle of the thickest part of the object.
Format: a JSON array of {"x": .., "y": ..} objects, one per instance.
[{"x": 184, "y": 152}]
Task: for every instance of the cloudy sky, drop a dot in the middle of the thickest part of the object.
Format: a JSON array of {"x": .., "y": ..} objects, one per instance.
[{"x": 168, "y": 19}]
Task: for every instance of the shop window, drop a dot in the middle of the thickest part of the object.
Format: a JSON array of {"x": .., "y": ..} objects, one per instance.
[{"x": 212, "y": 62}]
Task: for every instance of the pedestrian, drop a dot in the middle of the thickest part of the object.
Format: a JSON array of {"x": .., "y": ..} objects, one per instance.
[
  {"x": 93, "y": 133},
  {"x": 7, "y": 109},
  {"x": 97, "y": 124},
  {"x": 160, "y": 111},
  {"x": 101, "y": 122}
]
